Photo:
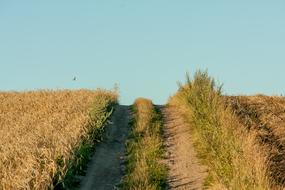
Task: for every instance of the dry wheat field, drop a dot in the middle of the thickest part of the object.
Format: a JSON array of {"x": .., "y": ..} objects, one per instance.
[
  {"x": 39, "y": 131},
  {"x": 265, "y": 115}
]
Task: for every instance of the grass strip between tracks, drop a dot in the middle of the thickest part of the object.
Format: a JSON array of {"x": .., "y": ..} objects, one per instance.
[{"x": 145, "y": 169}]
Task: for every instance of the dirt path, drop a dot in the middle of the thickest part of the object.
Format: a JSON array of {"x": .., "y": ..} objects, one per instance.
[
  {"x": 185, "y": 172},
  {"x": 105, "y": 169}
]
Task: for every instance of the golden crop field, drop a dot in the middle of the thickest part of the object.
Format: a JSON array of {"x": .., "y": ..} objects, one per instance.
[
  {"x": 266, "y": 116},
  {"x": 39, "y": 131}
]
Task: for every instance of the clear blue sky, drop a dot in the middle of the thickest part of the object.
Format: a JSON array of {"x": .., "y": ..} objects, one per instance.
[{"x": 144, "y": 45}]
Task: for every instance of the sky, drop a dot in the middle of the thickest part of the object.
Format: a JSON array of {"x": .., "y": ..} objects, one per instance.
[{"x": 145, "y": 47}]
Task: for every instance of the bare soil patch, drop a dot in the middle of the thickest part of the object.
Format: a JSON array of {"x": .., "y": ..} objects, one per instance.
[{"x": 185, "y": 171}]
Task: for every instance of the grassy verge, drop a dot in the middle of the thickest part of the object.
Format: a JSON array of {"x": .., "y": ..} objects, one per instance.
[
  {"x": 234, "y": 159},
  {"x": 101, "y": 110},
  {"x": 145, "y": 169}
]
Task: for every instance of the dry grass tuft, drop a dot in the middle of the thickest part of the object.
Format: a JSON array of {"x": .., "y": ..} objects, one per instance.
[{"x": 40, "y": 130}]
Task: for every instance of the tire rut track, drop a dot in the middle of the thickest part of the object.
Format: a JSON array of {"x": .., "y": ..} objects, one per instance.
[
  {"x": 185, "y": 171},
  {"x": 106, "y": 169}
]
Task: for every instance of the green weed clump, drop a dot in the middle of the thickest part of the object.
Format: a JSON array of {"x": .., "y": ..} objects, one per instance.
[
  {"x": 234, "y": 159},
  {"x": 144, "y": 168}
]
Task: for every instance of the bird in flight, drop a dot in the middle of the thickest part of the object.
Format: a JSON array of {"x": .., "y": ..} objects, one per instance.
[{"x": 74, "y": 78}]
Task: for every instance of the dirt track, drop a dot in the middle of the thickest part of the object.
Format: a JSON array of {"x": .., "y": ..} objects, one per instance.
[
  {"x": 106, "y": 167},
  {"x": 185, "y": 172}
]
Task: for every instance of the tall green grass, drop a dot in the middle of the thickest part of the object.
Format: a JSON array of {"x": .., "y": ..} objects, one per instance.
[
  {"x": 145, "y": 171},
  {"x": 232, "y": 155}
]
